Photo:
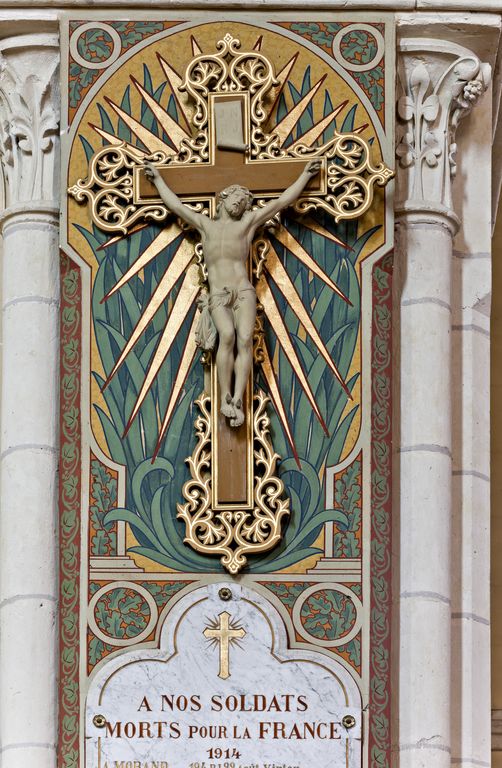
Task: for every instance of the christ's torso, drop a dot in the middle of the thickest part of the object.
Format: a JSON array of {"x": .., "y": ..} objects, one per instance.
[{"x": 226, "y": 244}]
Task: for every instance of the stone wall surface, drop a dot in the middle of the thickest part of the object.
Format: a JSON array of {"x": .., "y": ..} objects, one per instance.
[
  {"x": 29, "y": 148},
  {"x": 496, "y": 488},
  {"x": 438, "y": 6}
]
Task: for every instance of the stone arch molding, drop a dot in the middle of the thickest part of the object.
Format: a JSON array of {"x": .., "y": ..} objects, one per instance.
[{"x": 307, "y": 686}]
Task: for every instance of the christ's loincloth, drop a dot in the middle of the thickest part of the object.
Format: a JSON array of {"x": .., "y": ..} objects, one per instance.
[
  {"x": 206, "y": 333},
  {"x": 229, "y": 297}
]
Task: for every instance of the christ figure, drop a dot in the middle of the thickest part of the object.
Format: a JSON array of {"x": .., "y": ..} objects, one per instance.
[{"x": 226, "y": 242}]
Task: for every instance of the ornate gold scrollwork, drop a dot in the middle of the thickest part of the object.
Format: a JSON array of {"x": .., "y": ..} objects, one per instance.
[
  {"x": 235, "y": 533},
  {"x": 351, "y": 176},
  {"x": 259, "y": 336},
  {"x": 229, "y": 71},
  {"x": 109, "y": 188}
]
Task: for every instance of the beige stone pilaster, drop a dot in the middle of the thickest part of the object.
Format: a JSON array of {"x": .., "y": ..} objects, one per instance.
[
  {"x": 439, "y": 83},
  {"x": 29, "y": 151}
]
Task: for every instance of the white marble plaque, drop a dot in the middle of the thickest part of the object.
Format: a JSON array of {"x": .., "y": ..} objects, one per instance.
[{"x": 222, "y": 689}]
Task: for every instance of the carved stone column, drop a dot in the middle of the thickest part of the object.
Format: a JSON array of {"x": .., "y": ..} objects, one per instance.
[
  {"x": 439, "y": 84},
  {"x": 29, "y": 128}
]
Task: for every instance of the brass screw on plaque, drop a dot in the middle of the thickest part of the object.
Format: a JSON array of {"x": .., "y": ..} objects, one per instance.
[
  {"x": 225, "y": 594},
  {"x": 99, "y": 721},
  {"x": 348, "y": 721}
]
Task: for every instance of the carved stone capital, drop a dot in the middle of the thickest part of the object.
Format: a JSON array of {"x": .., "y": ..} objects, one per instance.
[
  {"x": 439, "y": 82},
  {"x": 29, "y": 117}
]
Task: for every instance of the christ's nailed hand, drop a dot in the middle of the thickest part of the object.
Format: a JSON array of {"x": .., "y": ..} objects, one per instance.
[
  {"x": 313, "y": 166},
  {"x": 151, "y": 171}
]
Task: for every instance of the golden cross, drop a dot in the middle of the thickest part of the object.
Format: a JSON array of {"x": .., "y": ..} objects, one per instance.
[
  {"x": 224, "y": 635},
  {"x": 227, "y": 165}
]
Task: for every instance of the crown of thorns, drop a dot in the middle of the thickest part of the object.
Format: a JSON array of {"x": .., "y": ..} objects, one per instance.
[{"x": 228, "y": 191}]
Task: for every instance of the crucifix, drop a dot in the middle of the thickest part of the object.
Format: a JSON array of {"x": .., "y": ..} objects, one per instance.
[
  {"x": 230, "y": 182},
  {"x": 224, "y": 634},
  {"x": 234, "y": 502}
]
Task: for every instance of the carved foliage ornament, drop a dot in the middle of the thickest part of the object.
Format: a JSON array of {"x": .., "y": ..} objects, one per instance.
[
  {"x": 29, "y": 127},
  {"x": 430, "y": 114}
]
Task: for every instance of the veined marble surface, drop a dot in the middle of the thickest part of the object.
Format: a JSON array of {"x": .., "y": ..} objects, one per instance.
[{"x": 169, "y": 707}]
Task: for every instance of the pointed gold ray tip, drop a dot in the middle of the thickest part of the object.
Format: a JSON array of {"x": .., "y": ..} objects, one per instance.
[
  {"x": 175, "y": 80},
  {"x": 172, "y": 75},
  {"x": 196, "y": 49},
  {"x": 281, "y": 78},
  {"x": 286, "y": 238},
  {"x": 114, "y": 141},
  {"x": 258, "y": 44},
  {"x": 165, "y": 237},
  {"x": 151, "y": 142},
  {"x": 310, "y": 137},
  {"x": 171, "y": 128},
  {"x": 117, "y": 239},
  {"x": 310, "y": 223},
  {"x": 286, "y": 125},
  {"x": 182, "y": 306},
  {"x": 283, "y": 75},
  {"x": 178, "y": 264},
  {"x": 267, "y": 299},
  {"x": 285, "y": 285}
]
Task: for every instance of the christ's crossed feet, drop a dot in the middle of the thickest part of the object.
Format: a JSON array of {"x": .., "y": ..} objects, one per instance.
[{"x": 232, "y": 409}]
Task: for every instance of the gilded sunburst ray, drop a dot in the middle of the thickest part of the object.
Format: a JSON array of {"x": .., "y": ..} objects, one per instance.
[
  {"x": 186, "y": 363},
  {"x": 282, "y": 78},
  {"x": 282, "y": 280},
  {"x": 273, "y": 314},
  {"x": 116, "y": 239},
  {"x": 166, "y": 236},
  {"x": 174, "y": 80},
  {"x": 314, "y": 225},
  {"x": 149, "y": 139},
  {"x": 196, "y": 49},
  {"x": 171, "y": 128},
  {"x": 286, "y": 238},
  {"x": 310, "y": 137},
  {"x": 165, "y": 286},
  {"x": 286, "y": 125},
  {"x": 182, "y": 306},
  {"x": 276, "y": 397},
  {"x": 115, "y": 141}
]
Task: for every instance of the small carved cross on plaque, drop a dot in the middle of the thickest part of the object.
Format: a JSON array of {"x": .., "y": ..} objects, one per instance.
[{"x": 224, "y": 633}]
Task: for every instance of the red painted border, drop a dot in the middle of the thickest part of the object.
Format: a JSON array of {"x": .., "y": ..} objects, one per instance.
[
  {"x": 69, "y": 510},
  {"x": 381, "y": 513}
]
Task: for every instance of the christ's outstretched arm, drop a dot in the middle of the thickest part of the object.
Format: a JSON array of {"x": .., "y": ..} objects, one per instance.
[
  {"x": 289, "y": 196},
  {"x": 172, "y": 201}
]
